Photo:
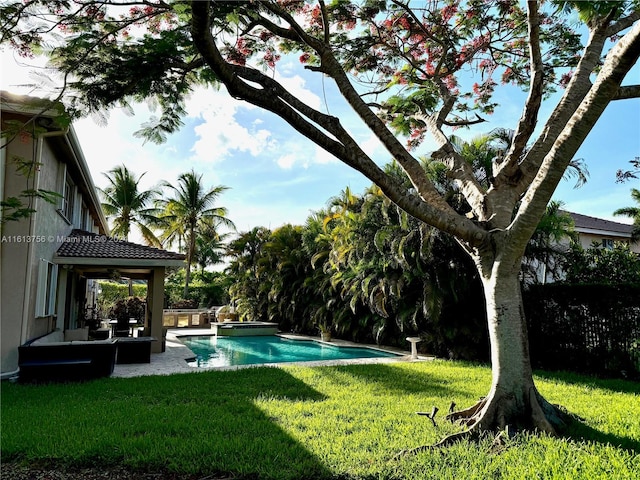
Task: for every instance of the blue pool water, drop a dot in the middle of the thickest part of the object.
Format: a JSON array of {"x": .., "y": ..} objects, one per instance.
[{"x": 213, "y": 351}]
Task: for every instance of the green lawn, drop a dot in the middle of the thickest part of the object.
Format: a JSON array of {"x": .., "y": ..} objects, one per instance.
[{"x": 329, "y": 422}]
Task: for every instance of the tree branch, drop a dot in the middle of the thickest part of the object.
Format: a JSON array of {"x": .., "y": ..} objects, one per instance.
[
  {"x": 529, "y": 117},
  {"x": 628, "y": 91},
  {"x": 463, "y": 123},
  {"x": 458, "y": 168},
  {"x": 325, "y": 22},
  {"x": 287, "y": 33},
  {"x": 295, "y": 26},
  {"x": 575, "y": 92},
  {"x": 619, "y": 61},
  {"x": 623, "y": 23},
  {"x": 429, "y": 206}
]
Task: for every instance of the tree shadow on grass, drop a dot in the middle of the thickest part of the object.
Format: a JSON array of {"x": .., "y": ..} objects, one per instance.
[
  {"x": 578, "y": 430},
  {"x": 207, "y": 423},
  {"x": 406, "y": 381},
  {"x": 611, "y": 384},
  {"x": 396, "y": 380}
]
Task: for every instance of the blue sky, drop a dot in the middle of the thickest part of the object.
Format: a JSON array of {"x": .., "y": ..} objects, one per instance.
[{"x": 276, "y": 176}]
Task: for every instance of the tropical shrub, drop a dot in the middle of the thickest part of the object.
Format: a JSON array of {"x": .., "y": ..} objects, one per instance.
[
  {"x": 598, "y": 265},
  {"x": 111, "y": 292},
  {"x": 126, "y": 308}
]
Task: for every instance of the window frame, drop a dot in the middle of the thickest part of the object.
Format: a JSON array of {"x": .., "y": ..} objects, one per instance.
[
  {"x": 608, "y": 243},
  {"x": 46, "y": 293},
  {"x": 68, "y": 198},
  {"x": 67, "y": 189}
]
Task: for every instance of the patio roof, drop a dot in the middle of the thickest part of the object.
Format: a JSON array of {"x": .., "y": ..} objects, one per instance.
[{"x": 86, "y": 248}]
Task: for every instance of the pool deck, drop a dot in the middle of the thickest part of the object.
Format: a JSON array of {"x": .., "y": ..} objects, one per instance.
[{"x": 174, "y": 358}]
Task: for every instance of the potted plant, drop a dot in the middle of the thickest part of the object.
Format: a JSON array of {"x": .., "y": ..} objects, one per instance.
[
  {"x": 325, "y": 331},
  {"x": 227, "y": 314}
]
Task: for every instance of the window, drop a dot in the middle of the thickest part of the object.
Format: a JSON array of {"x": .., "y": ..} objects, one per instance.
[
  {"x": 47, "y": 286},
  {"x": 85, "y": 218},
  {"x": 68, "y": 200},
  {"x": 67, "y": 191},
  {"x": 607, "y": 243}
]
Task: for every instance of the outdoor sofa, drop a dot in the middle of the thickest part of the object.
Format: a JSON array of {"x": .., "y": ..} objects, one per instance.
[{"x": 66, "y": 356}]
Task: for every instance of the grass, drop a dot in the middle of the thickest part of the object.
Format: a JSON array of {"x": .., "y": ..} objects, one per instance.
[{"x": 328, "y": 422}]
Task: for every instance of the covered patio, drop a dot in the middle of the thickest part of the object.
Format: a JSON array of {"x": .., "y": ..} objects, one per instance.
[{"x": 86, "y": 256}]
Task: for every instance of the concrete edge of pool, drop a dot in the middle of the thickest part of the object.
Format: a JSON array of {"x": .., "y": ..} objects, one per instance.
[{"x": 174, "y": 358}]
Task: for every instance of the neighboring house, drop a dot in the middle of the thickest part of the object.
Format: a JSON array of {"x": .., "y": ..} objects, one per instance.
[
  {"x": 50, "y": 260},
  {"x": 589, "y": 231},
  {"x": 604, "y": 232}
]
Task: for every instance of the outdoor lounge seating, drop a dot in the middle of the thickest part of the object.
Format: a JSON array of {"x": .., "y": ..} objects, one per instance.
[
  {"x": 58, "y": 356},
  {"x": 134, "y": 350}
]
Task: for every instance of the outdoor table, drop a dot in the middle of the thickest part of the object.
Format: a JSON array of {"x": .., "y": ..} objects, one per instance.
[{"x": 114, "y": 323}]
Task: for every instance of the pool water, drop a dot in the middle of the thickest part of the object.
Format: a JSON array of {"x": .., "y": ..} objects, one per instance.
[{"x": 213, "y": 351}]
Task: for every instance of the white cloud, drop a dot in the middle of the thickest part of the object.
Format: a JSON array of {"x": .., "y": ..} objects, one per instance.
[
  {"x": 323, "y": 157},
  {"x": 220, "y": 134},
  {"x": 107, "y": 147},
  {"x": 372, "y": 147},
  {"x": 286, "y": 161},
  {"x": 296, "y": 85}
]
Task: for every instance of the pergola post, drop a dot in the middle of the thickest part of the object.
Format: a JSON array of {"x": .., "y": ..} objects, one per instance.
[{"x": 155, "y": 304}]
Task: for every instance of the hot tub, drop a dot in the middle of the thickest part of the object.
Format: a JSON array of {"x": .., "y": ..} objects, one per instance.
[{"x": 244, "y": 329}]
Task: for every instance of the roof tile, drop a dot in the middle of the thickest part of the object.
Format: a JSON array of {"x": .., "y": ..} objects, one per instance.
[
  {"x": 585, "y": 221},
  {"x": 84, "y": 244}
]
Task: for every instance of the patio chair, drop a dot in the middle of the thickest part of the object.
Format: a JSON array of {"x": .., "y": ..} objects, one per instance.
[{"x": 122, "y": 328}]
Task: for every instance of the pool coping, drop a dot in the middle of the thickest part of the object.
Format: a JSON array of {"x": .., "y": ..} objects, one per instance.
[{"x": 174, "y": 359}]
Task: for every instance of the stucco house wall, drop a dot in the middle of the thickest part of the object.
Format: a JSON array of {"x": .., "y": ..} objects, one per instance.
[
  {"x": 55, "y": 153},
  {"x": 587, "y": 240},
  {"x": 604, "y": 232},
  {"x": 50, "y": 259}
]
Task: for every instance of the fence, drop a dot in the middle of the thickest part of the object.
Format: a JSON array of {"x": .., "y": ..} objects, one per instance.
[{"x": 585, "y": 328}]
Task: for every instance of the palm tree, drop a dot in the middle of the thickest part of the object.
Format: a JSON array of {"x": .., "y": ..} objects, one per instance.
[
  {"x": 211, "y": 244},
  {"x": 125, "y": 205},
  {"x": 634, "y": 213},
  {"x": 546, "y": 251},
  {"x": 188, "y": 212},
  {"x": 246, "y": 252}
]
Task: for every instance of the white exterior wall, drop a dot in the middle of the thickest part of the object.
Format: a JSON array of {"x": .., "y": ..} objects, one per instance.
[{"x": 587, "y": 239}]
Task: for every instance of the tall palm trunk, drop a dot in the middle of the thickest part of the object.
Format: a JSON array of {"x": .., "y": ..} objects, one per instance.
[
  {"x": 190, "y": 254},
  {"x": 130, "y": 281}
]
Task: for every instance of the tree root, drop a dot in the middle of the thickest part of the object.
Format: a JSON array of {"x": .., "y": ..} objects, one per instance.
[
  {"x": 467, "y": 415},
  {"x": 501, "y": 442},
  {"x": 503, "y": 414},
  {"x": 445, "y": 442},
  {"x": 431, "y": 416}
]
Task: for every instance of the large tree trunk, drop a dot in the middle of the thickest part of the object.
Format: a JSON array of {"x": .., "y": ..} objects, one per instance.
[{"x": 513, "y": 400}]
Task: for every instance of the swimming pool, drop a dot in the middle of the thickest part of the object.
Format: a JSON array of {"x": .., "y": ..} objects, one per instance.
[{"x": 213, "y": 351}]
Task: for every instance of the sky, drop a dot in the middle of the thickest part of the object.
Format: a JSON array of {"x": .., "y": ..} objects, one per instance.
[{"x": 276, "y": 176}]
